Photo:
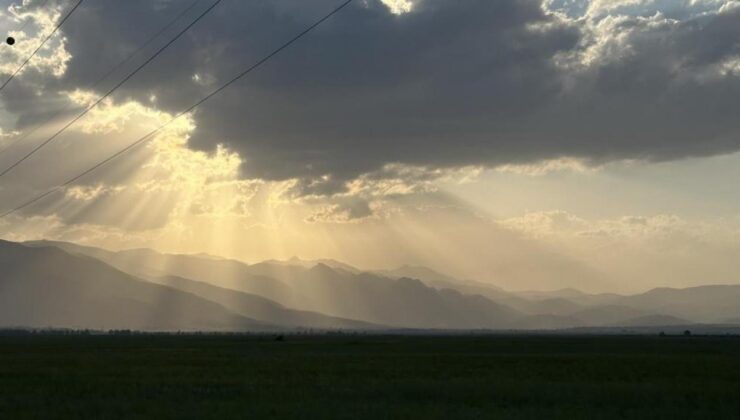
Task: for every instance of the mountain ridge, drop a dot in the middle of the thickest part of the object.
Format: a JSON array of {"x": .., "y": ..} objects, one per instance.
[
  {"x": 47, "y": 287},
  {"x": 425, "y": 299}
]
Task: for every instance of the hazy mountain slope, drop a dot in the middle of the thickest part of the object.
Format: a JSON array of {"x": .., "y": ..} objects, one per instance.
[
  {"x": 698, "y": 304},
  {"x": 539, "y": 306},
  {"x": 295, "y": 261},
  {"x": 438, "y": 301},
  {"x": 404, "y": 302},
  {"x": 549, "y": 322},
  {"x": 652, "y": 321},
  {"x": 310, "y": 285},
  {"x": 573, "y": 295},
  {"x": 608, "y": 314},
  {"x": 708, "y": 304},
  {"x": 554, "y": 306},
  {"x": 223, "y": 273},
  {"x": 331, "y": 291},
  {"x": 47, "y": 287},
  {"x": 428, "y": 276},
  {"x": 286, "y": 273},
  {"x": 260, "y": 308},
  {"x": 281, "y": 280}
]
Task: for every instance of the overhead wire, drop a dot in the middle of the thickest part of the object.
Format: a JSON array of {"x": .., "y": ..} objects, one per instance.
[
  {"x": 151, "y": 134},
  {"x": 102, "y": 78},
  {"x": 107, "y": 94},
  {"x": 43, "y": 42}
]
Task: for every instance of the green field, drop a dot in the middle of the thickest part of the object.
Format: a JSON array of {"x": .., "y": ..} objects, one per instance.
[{"x": 538, "y": 377}]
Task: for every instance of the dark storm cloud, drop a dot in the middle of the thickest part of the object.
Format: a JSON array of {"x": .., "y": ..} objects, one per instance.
[{"x": 452, "y": 83}]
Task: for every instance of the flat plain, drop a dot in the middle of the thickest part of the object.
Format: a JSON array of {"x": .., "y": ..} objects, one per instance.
[{"x": 359, "y": 376}]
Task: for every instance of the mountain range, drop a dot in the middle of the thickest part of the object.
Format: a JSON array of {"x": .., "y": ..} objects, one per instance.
[{"x": 64, "y": 285}]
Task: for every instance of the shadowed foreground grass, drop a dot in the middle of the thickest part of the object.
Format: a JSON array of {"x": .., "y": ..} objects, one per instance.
[{"x": 369, "y": 377}]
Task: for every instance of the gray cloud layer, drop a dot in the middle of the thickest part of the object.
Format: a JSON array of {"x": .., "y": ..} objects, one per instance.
[{"x": 453, "y": 83}]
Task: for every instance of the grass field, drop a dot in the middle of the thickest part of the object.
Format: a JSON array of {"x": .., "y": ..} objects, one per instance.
[{"x": 351, "y": 377}]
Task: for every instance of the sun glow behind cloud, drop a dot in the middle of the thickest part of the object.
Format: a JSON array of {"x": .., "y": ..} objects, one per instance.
[
  {"x": 399, "y": 7},
  {"x": 52, "y": 58},
  {"x": 542, "y": 222},
  {"x": 176, "y": 199},
  {"x": 179, "y": 200}
]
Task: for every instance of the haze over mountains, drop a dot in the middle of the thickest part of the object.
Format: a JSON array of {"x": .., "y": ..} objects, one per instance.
[
  {"x": 63, "y": 285},
  {"x": 47, "y": 287}
]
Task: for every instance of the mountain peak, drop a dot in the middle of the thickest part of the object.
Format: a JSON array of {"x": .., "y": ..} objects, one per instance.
[{"x": 322, "y": 268}]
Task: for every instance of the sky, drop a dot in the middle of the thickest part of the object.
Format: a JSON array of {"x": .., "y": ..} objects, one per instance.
[{"x": 531, "y": 144}]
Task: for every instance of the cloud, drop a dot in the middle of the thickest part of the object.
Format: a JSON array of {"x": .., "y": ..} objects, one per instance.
[
  {"x": 35, "y": 24},
  {"x": 436, "y": 84},
  {"x": 547, "y": 166},
  {"x": 399, "y": 7},
  {"x": 642, "y": 251},
  {"x": 348, "y": 211},
  {"x": 558, "y": 224}
]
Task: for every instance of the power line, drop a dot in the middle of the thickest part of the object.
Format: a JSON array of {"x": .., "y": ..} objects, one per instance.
[
  {"x": 104, "y": 76},
  {"x": 102, "y": 98},
  {"x": 146, "y": 44},
  {"x": 151, "y": 134},
  {"x": 56, "y": 28}
]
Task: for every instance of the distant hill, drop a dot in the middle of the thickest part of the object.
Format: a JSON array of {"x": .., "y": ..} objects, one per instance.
[
  {"x": 709, "y": 304},
  {"x": 223, "y": 273},
  {"x": 263, "y": 309},
  {"x": 705, "y": 304},
  {"x": 295, "y": 261},
  {"x": 652, "y": 321},
  {"x": 332, "y": 291},
  {"x": 429, "y": 277},
  {"x": 47, "y": 287},
  {"x": 544, "y": 305},
  {"x": 432, "y": 301},
  {"x": 555, "y": 306},
  {"x": 404, "y": 302},
  {"x": 608, "y": 314},
  {"x": 573, "y": 295},
  {"x": 328, "y": 292}
]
